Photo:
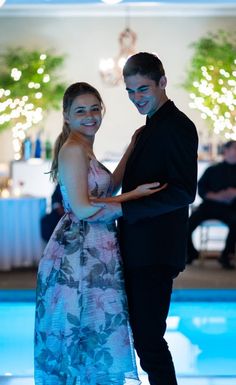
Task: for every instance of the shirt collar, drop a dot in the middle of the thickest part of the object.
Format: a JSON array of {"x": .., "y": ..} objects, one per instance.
[{"x": 165, "y": 108}]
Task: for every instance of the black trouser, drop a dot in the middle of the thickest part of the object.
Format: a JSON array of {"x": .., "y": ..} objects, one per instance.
[
  {"x": 149, "y": 291},
  {"x": 212, "y": 210}
]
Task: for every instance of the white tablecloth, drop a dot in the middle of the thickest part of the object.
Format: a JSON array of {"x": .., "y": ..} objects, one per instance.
[
  {"x": 20, "y": 239},
  {"x": 32, "y": 177}
]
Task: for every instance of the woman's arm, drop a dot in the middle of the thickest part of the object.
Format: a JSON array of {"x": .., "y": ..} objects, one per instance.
[
  {"x": 120, "y": 169},
  {"x": 139, "y": 192},
  {"x": 73, "y": 171}
]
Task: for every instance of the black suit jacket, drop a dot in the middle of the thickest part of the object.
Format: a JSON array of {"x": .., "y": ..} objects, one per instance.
[{"x": 153, "y": 230}]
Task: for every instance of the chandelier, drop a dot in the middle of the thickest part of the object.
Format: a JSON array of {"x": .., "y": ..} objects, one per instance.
[{"x": 111, "y": 68}]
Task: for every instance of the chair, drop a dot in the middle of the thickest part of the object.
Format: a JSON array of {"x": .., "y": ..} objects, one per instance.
[{"x": 212, "y": 238}]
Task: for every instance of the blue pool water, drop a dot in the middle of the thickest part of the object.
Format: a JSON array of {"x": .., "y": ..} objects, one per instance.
[{"x": 201, "y": 332}]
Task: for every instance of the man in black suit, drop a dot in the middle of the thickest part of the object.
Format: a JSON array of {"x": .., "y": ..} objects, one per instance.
[
  {"x": 153, "y": 229},
  {"x": 50, "y": 220},
  {"x": 217, "y": 188}
]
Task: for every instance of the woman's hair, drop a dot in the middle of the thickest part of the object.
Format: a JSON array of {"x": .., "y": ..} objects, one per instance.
[
  {"x": 70, "y": 94},
  {"x": 145, "y": 64}
]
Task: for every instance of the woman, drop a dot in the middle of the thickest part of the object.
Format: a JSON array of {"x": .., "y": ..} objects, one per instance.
[{"x": 82, "y": 334}]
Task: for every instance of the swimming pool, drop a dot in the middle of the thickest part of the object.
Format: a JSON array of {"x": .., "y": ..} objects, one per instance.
[{"x": 201, "y": 332}]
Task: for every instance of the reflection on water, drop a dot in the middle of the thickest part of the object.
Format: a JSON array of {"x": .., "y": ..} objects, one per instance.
[{"x": 202, "y": 338}]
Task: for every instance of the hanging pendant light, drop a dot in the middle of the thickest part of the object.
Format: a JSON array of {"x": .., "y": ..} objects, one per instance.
[{"x": 111, "y": 68}]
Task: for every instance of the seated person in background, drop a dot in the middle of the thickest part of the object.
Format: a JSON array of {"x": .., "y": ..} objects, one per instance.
[
  {"x": 49, "y": 221},
  {"x": 217, "y": 188}
]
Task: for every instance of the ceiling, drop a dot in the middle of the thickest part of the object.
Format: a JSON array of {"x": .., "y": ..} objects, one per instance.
[
  {"x": 140, "y": 2},
  {"x": 68, "y": 8}
]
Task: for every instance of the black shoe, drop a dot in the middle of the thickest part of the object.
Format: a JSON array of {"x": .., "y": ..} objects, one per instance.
[{"x": 226, "y": 264}]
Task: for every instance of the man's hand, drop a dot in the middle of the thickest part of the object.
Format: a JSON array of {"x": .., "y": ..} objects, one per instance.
[
  {"x": 230, "y": 193},
  {"x": 224, "y": 196},
  {"x": 107, "y": 214}
]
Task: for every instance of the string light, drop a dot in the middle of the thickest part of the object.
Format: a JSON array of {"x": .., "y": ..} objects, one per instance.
[
  {"x": 22, "y": 112},
  {"x": 215, "y": 98}
]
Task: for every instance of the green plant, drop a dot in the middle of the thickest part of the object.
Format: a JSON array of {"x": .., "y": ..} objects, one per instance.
[
  {"x": 211, "y": 82},
  {"x": 29, "y": 89}
]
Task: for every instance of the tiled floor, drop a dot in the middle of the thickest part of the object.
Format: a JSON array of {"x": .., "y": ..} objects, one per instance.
[{"x": 207, "y": 275}]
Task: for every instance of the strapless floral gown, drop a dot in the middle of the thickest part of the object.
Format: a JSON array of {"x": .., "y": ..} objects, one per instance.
[{"x": 82, "y": 333}]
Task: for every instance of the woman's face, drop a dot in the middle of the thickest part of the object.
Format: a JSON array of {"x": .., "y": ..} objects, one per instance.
[{"x": 85, "y": 115}]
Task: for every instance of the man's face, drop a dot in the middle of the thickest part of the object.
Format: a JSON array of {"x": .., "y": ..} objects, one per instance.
[
  {"x": 146, "y": 95},
  {"x": 230, "y": 154}
]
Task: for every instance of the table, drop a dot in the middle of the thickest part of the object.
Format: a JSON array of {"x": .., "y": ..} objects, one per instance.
[
  {"x": 32, "y": 177},
  {"x": 21, "y": 244}
]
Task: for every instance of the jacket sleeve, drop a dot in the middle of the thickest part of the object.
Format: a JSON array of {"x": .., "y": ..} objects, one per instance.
[
  {"x": 181, "y": 166},
  {"x": 206, "y": 182}
]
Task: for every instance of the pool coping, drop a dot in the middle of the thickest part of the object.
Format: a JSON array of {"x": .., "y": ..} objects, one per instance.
[{"x": 178, "y": 295}]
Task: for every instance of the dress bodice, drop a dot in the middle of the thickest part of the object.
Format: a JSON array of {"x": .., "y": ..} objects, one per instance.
[{"x": 99, "y": 183}]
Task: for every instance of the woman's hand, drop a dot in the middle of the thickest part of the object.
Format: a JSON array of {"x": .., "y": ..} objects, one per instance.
[
  {"x": 146, "y": 189},
  {"x": 139, "y": 192}
]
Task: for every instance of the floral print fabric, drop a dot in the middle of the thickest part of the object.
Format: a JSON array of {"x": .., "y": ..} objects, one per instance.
[{"x": 82, "y": 334}]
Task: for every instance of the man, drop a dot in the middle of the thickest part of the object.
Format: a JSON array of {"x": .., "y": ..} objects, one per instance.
[
  {"x": 153, "y": 230},
  {"x": 50, "y": 220},
  {"x": 217, "y": 188}
]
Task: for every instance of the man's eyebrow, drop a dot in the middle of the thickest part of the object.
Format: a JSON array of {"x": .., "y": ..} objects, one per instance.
[{"x": 143, "y": 86}]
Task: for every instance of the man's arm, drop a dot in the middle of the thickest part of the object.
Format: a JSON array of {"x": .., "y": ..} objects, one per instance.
[
  {"x": 208, "y": 184},
  {"x": 113, "y": 210},
  {"x": 223, "y": 196},
  {"x": 109, "y": 213}
]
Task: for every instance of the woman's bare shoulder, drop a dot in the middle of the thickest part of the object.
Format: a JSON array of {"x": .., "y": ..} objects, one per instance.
[{"x": 72, "y": 149}]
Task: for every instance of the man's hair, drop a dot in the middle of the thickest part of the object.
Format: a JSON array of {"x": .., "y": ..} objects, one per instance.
[
  {"x": 228, "y": 144},
  {"x": 145, "y": 64}
]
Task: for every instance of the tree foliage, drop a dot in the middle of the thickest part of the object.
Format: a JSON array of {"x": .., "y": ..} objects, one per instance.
[
  {"x": 211, "y": 82},
  {"x": 30, "y": 86}
]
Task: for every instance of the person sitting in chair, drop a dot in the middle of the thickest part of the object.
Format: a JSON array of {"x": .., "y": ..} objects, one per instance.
[
  {"x": 50, "y": 220},
  {"x": 217, "y": 188}
]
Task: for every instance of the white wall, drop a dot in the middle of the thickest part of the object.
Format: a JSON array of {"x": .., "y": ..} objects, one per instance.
[{"x": 84, "y": 40}]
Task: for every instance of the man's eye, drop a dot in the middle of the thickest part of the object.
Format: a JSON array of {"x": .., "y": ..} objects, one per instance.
[
  {"x": 80, "y": 111},
  {"x": 143, "y": 89}
]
